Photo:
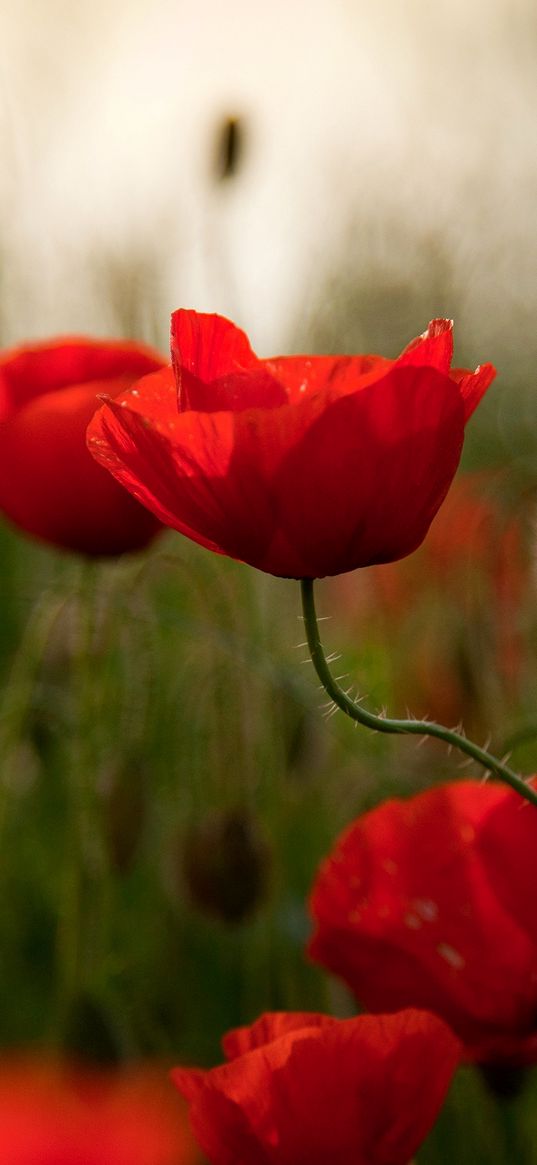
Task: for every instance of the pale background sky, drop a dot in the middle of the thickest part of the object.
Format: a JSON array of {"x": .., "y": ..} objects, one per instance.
[{"x": 389, "y": 170}]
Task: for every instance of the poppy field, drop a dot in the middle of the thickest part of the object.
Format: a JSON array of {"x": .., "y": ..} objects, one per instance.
[
  {"x": 268, "y": 631},
  {"x": 198, "y": 850}
]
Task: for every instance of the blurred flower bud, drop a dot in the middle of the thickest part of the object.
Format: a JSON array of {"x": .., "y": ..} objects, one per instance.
[
  {"x": 226, "y": 864},
  {"x": 301, "y": 732},
  {"x": 124, "y": 799},
  {"x": 505, "y": 1081},
  {"x": 90, "y": 1036},
  {"x": 229, "y": 148}
]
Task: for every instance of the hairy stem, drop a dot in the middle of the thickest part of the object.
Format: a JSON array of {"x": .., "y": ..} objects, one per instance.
[{"x": 404, "y": 727}]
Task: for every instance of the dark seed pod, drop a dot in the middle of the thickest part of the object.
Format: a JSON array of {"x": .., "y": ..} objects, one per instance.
[
  {"x": 123, "y": 791},
  {"x": 504, "y": 1081},
  {"x": 229, "y": 148},
  {"x": 226, "y": 864}
]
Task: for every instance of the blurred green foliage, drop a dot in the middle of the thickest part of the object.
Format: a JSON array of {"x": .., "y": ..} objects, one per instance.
[{"x": 169, "y": 784}]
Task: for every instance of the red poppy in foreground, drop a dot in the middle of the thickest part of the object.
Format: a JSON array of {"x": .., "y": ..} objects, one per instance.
[
  {"x": 306, "y": 1089},
  {"x": 421, "y": 904},
  {"x": 49, "y": 485},
  {"x": 54, "y": 1115},
  {"x": 302, "y": 466}
]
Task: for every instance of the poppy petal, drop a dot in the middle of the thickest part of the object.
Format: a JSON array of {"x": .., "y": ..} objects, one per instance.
[
  {"x": 363, "y": 1090},
  {"x": 299, "y": 466},
  {"x": 366, "y": 458},
  {"x": 433, "y": 348},
  {"x": 473, "y": 385},
  {"x": 296, "y": 466},
  {"x": 406, "y": 913},
  {"x": 48, "y": 484},
  {"x": 508, "y": 832},
  {"x": 55, "y": 1113},
  {"x": 269, "y": 1027},
  {"x": 34, "y": 369},
  {"x": 307, "y": 375},
  {"x": 207, "y": 348}
]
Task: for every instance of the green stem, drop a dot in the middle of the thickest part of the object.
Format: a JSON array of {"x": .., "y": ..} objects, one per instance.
[
  {"x": 19, "y": 689},
  {"x": 85, "y": 856},
  {"x": 405, "y": 727}
]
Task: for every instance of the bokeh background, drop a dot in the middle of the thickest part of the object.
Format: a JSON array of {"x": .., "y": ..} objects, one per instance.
[{"x": 331, "y": 174}]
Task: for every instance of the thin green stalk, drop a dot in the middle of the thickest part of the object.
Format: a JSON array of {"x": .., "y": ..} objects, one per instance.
[
  {"x": 86, "y": 862},
  {"x": 410, "y": 727},
  {"x": 19, "y": 688}
]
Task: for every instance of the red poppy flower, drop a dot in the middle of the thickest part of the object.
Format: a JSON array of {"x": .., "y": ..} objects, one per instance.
[
  {"x": 419, "y": 905},
  {"x": 49, "y": 485},
  {"x": 54, "y": 1115},
  {"x": 302, "y": 466},
  {"x": 306, "y": 1089}
]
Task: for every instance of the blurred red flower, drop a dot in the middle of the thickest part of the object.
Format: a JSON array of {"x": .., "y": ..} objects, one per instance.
[
  {"x": 453, "y": 614},
  {"x": 302, "y": 466},
  {"x": 306, "y": 1089},
  {"x": 49, "y": 485},
  {"x": 51, "y": 1114},
  {"x": 422, "y": 903}
]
